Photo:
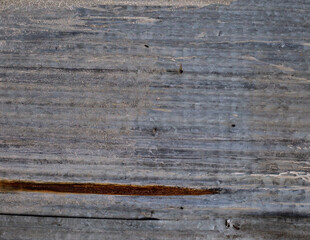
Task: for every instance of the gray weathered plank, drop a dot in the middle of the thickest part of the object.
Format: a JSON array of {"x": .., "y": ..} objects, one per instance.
[
  {"x": 82, "y": 99},
  {"x": 13, "y": 227}
]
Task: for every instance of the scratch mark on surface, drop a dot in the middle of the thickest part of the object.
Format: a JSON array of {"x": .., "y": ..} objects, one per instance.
[
  {"x": 161, "y": 109},
  {"x": 283, "y": 68},
  {"x": 278, "y": 66}
]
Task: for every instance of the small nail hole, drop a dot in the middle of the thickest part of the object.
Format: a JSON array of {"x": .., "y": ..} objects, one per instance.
[
  {"x": 181, "y": 69},
  {"x": 181, "y": 208},
  {"x": 227, "y": 223},
  {"x": 154, "y": 131},
  {"x": 233, "y": 125},
  {"x": 147, "y": 46}
]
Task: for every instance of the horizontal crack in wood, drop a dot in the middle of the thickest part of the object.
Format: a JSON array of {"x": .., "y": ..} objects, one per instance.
[{"x": 101, "y": 188}]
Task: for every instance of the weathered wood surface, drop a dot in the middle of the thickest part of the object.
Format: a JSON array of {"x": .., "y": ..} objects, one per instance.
[{"x": 90, "y": 92}]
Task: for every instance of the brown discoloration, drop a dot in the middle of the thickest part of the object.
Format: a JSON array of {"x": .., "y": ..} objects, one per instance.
[
  {"x": 101, "y": 188},
  {"x": 180, "y": 69}
]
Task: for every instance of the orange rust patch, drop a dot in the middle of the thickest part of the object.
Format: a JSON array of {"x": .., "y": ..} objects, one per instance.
[{"x": 101, "y": 188}]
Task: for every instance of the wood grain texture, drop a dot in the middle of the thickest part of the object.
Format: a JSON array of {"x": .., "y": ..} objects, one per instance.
[
  {"x": 212, "y": 228},
  {"x": 93, "y": 93}
]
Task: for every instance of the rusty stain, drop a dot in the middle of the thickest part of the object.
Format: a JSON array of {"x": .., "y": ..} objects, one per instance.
[{"x": 101, "y": 188}]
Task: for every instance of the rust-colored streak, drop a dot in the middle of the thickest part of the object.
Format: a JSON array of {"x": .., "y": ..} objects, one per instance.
[{"x": 101, "y": 188}]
